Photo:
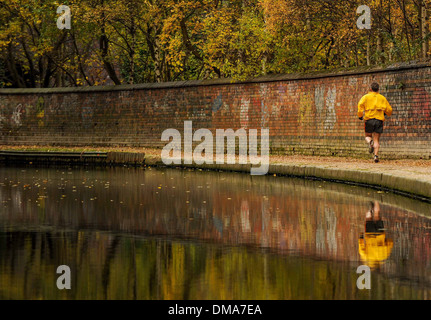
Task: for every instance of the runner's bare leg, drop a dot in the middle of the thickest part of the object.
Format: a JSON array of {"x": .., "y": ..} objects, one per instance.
[
  {"x": 376, "y": 138},
  {"x": 368, "y": 137},
  {"x": 376, "y": 211}
]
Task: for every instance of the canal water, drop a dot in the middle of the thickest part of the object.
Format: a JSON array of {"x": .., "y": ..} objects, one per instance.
[{"x": 134, "y": 233}]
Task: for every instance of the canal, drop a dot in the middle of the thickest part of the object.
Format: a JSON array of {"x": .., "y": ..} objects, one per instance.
[{"x": 155, "y": 233}]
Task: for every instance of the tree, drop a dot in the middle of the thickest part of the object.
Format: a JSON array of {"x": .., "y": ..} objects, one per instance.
[{"x": 138, "y": 41}]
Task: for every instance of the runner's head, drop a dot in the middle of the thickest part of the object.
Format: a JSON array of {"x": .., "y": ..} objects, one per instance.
[{"x": 375, "y": 87}]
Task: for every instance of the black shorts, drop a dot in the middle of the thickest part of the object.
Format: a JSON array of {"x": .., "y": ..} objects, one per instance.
[
  {"x": 374, "y": 125},
  {"x": 374, "y": 226}
]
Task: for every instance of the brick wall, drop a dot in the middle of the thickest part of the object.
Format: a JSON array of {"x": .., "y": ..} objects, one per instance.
[{"x": 312, "y": 114}]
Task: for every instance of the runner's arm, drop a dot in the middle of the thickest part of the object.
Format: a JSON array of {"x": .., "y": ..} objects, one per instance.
[
  {"x": 361, "y": 108},
  {"x": 388, "y": 110}
]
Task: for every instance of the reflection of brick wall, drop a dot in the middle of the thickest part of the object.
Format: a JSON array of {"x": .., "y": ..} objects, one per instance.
[
  {"x": 284, "y": 216},
  {"x": 314, "y": 115}
]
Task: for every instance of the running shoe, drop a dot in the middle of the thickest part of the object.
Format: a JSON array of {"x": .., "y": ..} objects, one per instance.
[{"x": 376, "y": 159}]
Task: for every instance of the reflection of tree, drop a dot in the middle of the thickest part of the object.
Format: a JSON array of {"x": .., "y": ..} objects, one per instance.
[
  {"x": 106, "y": 265},
  {"x": 121, "y": 267}
]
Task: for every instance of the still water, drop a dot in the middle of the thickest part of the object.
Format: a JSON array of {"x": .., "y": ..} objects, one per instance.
[{"x": 133, "y": 233}]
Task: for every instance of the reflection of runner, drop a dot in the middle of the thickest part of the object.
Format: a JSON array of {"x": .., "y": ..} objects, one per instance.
[
  {"x": 372, "y": 108},
  {"x": 374, "y": 247}
]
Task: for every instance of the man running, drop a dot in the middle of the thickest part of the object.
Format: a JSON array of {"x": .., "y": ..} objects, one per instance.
[{"x": 376, "y": 107}]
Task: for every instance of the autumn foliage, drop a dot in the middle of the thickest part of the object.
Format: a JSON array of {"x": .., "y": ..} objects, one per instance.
[{"x": 138, "y": 41}]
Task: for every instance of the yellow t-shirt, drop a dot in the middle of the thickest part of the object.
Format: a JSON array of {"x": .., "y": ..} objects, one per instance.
[
  {"x": 375, "y": 248},
  {"x": 375, "y": 106}
]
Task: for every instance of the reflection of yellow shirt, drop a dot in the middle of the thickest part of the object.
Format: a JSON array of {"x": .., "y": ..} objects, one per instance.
[
  {"x": 375, "y": 106},
  {"x": 375, "y": 248}
]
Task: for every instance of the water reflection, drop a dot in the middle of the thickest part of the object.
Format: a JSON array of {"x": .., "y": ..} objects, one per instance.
[
  {"x": 374, "y": 247},
  {"x": 179, "y": 234}
]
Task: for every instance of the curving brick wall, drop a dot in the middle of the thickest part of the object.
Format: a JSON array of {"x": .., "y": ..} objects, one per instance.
[{"x": 314, "y": 114}]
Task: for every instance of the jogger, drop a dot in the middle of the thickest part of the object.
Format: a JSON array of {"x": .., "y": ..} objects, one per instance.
[{"x": 372, "y": 108}]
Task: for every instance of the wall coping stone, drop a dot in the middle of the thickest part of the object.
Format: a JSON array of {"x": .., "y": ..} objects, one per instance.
[{"x": 394, "y": 67}]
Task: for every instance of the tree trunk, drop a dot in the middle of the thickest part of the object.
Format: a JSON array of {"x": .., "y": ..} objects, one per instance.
[
  {"x": 368, "y": 51},
  {"x": 379, "y": 47},
  {"x": 17, "y": 79},
  {"x": 103, "y": 42},
  {"x": 189, "y": 47},
  {"x": 157, "y": 61},
  {"x": 104, "y": 48},
  {"x": 423, "y": 16},
  {"x": 132, "y": 51}
]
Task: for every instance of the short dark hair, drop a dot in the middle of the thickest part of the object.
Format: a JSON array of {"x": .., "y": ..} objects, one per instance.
[{"x": 375, "y": 87}]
